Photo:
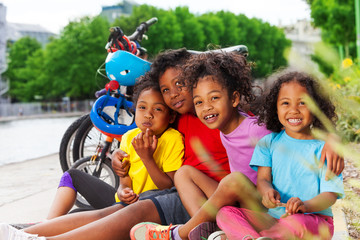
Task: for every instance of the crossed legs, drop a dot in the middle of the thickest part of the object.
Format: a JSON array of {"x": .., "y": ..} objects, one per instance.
[{"x": 233, "y": 190}]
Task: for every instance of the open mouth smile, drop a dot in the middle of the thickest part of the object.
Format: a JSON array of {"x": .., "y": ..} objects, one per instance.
[
  {"x": 210, "y": 117},
  {"x": 294, "y": 121}
]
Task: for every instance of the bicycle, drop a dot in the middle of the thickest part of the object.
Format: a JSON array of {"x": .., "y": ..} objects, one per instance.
[
  {"x": 110, "y": 114},
  {"x": 66, "y": 154},
  {"x": 73, "y": 148}
]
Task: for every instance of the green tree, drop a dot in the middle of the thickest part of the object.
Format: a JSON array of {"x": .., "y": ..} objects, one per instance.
[
  {"x": 33, "y": 72},
  {"x": 165, "y": 34},
  {"x": 336, "y": 18},
  {"x": 193, "y": 34},
  {"x": 270, "y": 47},
  {"x": 266, "y": 44},
  {"x": 71, "y": 60},
  {"x": 213, "y": 28},
  {"x": 20, "y": 51},
  {"x": 68, "y": 64},
  {"x": 140, "y": 14},
  {"x": 231, "y": 34}
]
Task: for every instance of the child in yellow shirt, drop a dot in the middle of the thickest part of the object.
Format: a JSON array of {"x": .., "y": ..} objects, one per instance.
[{"x": 154, "y": 150}]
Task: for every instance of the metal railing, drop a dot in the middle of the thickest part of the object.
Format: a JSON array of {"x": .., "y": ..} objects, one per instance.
[{"x": 39, "y": 108}]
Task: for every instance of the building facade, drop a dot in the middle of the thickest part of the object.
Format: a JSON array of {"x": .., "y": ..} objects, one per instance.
[
  {"x": 16, "y": 31},
  {"x": 4, "y": 86},
  {"x": 115, "y": 11},
  {"x": 303, "y": 36},
  {"x": 11, "y": 32}
]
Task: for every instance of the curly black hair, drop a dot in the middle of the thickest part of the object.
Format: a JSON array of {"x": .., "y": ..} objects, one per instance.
[
  {"x": 230, "y": 69},
  {"x": 268, "y": 113},
  {"x": 144, "y": 83},
  {"x": 168, "y": 59}
]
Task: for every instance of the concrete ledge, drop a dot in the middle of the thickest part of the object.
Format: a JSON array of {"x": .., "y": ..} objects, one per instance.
[{"x": 340, "y": 226}]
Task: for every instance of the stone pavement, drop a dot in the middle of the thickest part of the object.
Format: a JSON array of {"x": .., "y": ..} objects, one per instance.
[{"x": 27, "y": 190}]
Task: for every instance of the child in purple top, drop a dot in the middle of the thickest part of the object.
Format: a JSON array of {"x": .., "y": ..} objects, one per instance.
[{"x": 240, "y": 143}]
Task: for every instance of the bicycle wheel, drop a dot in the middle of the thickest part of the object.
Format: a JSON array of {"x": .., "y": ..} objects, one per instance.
[
  {"x": 66, "y": 145},
  {"x": 87, "y": 139},
  {"x": 107, "y": 175}
]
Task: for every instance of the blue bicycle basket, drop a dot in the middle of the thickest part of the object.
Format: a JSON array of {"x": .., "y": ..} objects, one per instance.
[
  {"x": 111, "y": 116},
  {"x": 125, "y": 67}
]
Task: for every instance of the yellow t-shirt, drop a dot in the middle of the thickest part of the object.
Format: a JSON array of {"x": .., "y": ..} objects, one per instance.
[{"x": 168, "y": 157}]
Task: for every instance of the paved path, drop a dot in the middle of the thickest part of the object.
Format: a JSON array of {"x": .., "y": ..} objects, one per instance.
[{"x": 28, "y": 188}]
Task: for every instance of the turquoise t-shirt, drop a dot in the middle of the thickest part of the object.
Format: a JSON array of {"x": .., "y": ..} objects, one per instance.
[{"x": 294, "y": 169}]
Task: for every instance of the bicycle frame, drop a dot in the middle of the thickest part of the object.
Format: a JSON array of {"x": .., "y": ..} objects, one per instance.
[
  {"x": 102, "y": 153},
  {"x": 122, "y": 68}
]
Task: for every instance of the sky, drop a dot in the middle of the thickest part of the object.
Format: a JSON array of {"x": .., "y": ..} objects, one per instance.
[{"x": 56, "y": 14}]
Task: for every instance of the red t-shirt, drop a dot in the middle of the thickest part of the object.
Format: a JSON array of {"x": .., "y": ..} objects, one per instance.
[{"x": 192, "y": 128}]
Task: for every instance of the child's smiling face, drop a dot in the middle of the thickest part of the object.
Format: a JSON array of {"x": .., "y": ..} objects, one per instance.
[
  {"x": 152, "y": 113},
  {"x": 292, "y": 111},
  {"x": 213, "y": 105},
  {"x": 176, "y": 96}
]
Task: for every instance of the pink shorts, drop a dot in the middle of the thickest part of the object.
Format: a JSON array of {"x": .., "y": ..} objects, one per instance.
[{"x": 239, "y": 222}]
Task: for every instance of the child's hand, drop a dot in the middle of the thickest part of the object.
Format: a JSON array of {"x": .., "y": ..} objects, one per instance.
[
  {"x": 335, "y": 163},
  {"x": 128, "y": 196},
  {"x": 294, "y": 205},
  {"x": 271, "y": 198},
  {"x": 145, "y": 144},
  {"x": 120, "y": 168}
]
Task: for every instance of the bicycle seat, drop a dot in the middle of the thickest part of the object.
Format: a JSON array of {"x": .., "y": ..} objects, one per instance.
[
  {"x": 125, "y": 67},
  {"x": 108, "y": 120},
  {"x": 241, "y": 49}
]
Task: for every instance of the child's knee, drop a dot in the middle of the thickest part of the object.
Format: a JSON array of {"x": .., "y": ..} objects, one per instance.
[
  {"x": 184, "y": 172},
  {"x": 73, "y": 172},
  {"x": 236, "y": 183},
  {"x": 66, "y": 181}
]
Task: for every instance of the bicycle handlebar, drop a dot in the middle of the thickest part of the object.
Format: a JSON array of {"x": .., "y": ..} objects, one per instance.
[
  {"x": 118, "y": 38},
  {"x": 141, "y": 29},
  {"x": 100, "y": 93},
  {"x": 241, "y": 49}
]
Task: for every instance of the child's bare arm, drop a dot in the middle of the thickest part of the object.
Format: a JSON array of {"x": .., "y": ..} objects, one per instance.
[
  {"x": 119, "y": 166},
  {"x": 125, "y": 192},
  {"x": 335, "y": 162},
  {"x": 145, "y": 146},
  {"x": 270, "y": 197},
  {"x": 320, "y": 202}
]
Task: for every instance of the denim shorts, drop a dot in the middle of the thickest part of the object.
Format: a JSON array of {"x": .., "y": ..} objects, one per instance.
[{"x": 169, "y": 206}]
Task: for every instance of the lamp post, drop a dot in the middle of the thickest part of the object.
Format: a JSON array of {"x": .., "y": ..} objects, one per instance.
[{"x": 357, "y": 23}]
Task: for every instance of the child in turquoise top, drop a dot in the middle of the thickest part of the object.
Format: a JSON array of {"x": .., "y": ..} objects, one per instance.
[{"x": 292, "y": 186}]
